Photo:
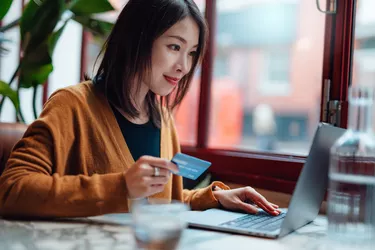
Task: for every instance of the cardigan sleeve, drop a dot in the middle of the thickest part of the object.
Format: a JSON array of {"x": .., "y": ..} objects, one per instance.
[
  {"x": 203, "y": 198},
  {"x": 32, "y": 187},
  {"x": 198, "y": 199}
]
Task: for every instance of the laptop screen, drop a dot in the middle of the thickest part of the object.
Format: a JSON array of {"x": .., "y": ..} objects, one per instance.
[{"x": 313, "y": 180}]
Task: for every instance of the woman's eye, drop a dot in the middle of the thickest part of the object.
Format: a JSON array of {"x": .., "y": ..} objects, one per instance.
[
  {"x": 174, "y": 47},
  {"x": 193, "y": 53}
]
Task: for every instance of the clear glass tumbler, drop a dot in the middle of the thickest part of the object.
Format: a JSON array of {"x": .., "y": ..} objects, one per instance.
[
  {"x": 351, "y": 192},
  {"x": 158, "y": 224}
]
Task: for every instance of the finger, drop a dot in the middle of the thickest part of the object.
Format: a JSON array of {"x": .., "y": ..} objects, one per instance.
[
  {"x": 150, "y": 170},
  {"x": 162, "y": 172},
  {"x": 248, "y": 208},
  {"x": 273, "y": 212},
  {"x": 156, "y": 189},
  {"x": 158, "y": 180},
  {"x": 274, "y": 205},
  {"x": 159, "y": 162},
  {"x": 261, "y": 201},
  {"x": 265, "y": 205},
  {"x": 165, "y": 173}
]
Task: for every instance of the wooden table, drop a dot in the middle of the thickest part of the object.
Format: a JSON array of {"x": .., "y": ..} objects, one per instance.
[{"x": 92, "y": 233}]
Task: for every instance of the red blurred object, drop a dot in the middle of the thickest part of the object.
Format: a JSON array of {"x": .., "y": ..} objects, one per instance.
[{"x": 226, "y": 115}]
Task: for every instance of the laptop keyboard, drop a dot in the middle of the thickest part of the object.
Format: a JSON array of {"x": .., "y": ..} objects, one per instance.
[{"x": 261, "y": 221}]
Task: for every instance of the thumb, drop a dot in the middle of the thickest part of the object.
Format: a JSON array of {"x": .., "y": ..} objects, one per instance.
[{"x": 248, "y": 208}]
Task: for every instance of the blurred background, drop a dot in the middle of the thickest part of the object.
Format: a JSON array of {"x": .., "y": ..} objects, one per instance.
[{"x": 266, "y": 83}]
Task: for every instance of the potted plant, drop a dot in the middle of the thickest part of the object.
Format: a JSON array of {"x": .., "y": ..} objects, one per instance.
[{"x": 41, "y": 25}]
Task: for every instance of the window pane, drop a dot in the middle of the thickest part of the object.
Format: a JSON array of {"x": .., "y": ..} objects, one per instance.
[
  {"x": 186, "y": 116},
  {"x": 364, "y": 45},
  {"x": 266, "y": 87}
]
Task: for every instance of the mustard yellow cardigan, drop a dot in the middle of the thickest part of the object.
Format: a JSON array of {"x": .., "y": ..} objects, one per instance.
[{"x": 72, "y": 160}]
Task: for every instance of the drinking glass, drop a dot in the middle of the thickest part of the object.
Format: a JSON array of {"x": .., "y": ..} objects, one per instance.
[{"x": 158, "y": 224}]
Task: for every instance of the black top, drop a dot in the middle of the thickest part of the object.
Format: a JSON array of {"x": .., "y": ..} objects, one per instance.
[{"x": 142, "y": 139}]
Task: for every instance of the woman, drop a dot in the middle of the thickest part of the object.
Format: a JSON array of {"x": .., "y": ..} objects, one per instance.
[{"x": 100, "y": 144}]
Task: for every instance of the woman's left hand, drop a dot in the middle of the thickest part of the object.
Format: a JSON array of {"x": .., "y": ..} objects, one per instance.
[{"x": 245, "y": 199}]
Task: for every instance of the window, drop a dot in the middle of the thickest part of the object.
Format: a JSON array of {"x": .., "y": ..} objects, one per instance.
[
  {"x": 187, "y": 113},
  {"x": 276, "y": 73},
  {"x": 222, "y": 65},
  {"x": 186, "y": 116},
  {"x": 317, "y": 47},
  {"x": 267, "y": 76},
  {"x": 278, "y": 67},
  {"x": 364, "y": 44}
]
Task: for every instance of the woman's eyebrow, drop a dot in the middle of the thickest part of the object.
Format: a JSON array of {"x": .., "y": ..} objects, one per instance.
[{"x": 183, "y": 40}]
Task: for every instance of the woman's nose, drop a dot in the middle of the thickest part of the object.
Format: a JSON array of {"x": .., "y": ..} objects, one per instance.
[{"x": 183, "y": 65}]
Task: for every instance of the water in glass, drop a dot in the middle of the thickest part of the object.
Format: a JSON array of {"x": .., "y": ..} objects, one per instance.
[{"x": 158, "y": 226}]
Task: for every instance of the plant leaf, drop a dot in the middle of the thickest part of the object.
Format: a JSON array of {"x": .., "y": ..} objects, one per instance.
[
  {"x": 32, "y": 76},
  {"x": 7, "y": 91},
  {"x": 36, "y": 65},
  {"x": 4, "y": 7},
  {"x": 27, "y": 18},
  {"x": 95, "y": 26},
  {"x": 87, "y": 7},
  {"x": 37, "y": 22},
  {"x": 53, "y": 39}
]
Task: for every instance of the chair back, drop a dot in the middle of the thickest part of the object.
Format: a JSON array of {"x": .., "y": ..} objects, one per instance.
[{"x": 10, "y": 134}]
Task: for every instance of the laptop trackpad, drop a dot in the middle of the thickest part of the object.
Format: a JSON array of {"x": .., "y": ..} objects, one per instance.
[{"x": 213, "y": 217}]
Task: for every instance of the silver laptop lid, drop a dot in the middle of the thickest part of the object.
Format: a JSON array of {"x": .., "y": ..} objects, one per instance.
[{"x": 313, "y": 180}]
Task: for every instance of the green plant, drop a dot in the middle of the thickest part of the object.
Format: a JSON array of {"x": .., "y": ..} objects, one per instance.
[
  {"x": 41, "y": 25},
  {"x": 4, "y": 7}
]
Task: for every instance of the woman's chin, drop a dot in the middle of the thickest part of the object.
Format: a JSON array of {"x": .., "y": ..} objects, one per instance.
[{"x": 163, "y": 93}]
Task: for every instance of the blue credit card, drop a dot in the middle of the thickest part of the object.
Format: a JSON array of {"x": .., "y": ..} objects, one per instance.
[{"x": 190, "y": 167}]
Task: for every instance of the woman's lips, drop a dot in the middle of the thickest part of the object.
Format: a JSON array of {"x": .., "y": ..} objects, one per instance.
[{"x": 172, "y": 80}]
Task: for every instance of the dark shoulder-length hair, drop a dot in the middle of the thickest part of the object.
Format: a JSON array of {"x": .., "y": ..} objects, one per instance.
[{"x": 128, "y": 49}]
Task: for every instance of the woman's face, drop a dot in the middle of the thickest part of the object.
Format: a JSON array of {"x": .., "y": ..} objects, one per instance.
[{"x": 173, "y": 55}]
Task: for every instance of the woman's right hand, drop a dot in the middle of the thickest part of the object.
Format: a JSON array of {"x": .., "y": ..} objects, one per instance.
[{"x": 141, "y": 180}]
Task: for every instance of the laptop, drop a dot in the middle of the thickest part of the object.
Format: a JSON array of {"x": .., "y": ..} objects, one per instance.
[{"x": 304, "y": 205}]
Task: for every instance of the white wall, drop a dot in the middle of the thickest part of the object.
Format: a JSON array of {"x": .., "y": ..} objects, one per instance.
[
  {"x": 9, "y": 62},
  {"x": 67, "y": 58}
]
